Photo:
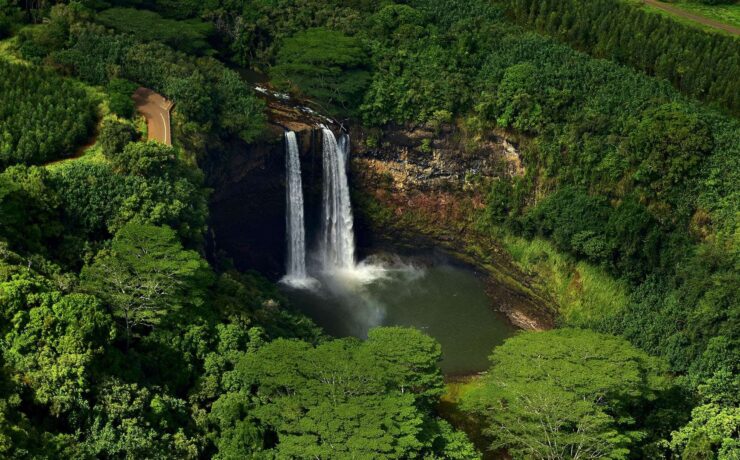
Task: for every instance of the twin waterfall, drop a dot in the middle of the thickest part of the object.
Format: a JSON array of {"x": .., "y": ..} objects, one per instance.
[
  {"x": 296, "y": 231},
  {"x": 337, "y": 235},
  {"x": 337, "y": 241}
]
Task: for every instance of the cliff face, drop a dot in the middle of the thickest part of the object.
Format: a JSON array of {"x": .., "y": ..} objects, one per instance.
[
  {"x": 248, "y": 203},
  {"x": 424, "y": 160},
  {"x": 422, "y": 188}
]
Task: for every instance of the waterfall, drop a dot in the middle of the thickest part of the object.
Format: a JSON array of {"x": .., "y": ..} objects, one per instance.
[
  {"x": 296, "y": 233},
  {"x": 337, "y": 238}
]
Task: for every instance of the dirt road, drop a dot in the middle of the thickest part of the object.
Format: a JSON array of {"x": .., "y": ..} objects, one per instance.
[
  {"x": 156, "y": 110},
  {"x": 693, "y": 17}
]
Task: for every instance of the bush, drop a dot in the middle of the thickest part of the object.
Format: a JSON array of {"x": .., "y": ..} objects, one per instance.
[
  {"x": 120, "y": 92},
  {"x": 114, "y": 136}
]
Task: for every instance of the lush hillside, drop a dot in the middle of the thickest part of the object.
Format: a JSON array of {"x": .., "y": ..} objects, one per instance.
[
  {"x": 701, "y": 64},
  {"x": 118, "y": 339}
]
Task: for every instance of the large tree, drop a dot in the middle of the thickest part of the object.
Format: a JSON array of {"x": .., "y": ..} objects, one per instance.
[
  {"x": 565, "y": 394},
  {"x": 145, "y": 275},
  {"x": 340, "y": 399}
]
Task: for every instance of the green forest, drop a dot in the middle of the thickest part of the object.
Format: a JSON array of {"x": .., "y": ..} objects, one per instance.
[{"x": 122, "y": 338}]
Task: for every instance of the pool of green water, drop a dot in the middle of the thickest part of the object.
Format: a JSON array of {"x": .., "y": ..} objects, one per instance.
[{"x": 446, "y": 301}]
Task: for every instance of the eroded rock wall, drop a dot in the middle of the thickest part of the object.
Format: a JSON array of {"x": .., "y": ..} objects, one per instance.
[
  {"x": 248, "y": 204},
  {"x": 423, "y": 188}
]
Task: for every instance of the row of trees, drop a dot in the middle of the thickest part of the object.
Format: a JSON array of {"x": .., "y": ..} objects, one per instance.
[
  {"x": 702, "y": 64},
  {"x": 42, "y": 116}
]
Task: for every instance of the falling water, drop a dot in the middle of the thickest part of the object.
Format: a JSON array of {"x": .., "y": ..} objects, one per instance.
[
  {"x": 296, "y": 233},
  {"x": 338, "y": 239}
]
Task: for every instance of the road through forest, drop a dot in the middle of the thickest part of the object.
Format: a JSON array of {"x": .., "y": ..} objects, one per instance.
[{"x": 156, "y": 110}]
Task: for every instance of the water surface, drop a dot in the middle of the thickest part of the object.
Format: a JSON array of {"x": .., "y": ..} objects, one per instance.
[{"x": 447, "y": 302}]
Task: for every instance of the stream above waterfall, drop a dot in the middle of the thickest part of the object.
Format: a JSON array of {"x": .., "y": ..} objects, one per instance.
[{"x": 436, "y": 295}]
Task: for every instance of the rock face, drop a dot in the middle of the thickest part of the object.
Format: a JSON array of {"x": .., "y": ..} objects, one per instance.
[
  {"x": 248, "y": 203},
  {"x": 422, "y": 160},
  {"x": 421, "y": 188}
]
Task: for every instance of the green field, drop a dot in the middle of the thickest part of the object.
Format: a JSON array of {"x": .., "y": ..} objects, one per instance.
[{"x": 728, "y": 13}]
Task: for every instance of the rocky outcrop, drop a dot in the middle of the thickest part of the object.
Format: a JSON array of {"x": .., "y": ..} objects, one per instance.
[{"x": 423, "y": 160}]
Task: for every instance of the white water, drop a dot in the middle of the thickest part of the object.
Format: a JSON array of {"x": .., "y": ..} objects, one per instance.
[
  {"x": 336, "y": 268},
  {"x": 337, "y": 246},
  {"x": 296, "y": 233}
]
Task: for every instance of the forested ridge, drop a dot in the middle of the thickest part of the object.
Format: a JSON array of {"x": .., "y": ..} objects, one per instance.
[
  {"x": 119, "y": 340},
  {"x": 701, "y": 64}
]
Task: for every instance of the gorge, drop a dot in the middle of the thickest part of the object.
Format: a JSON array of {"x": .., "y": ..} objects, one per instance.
[{"x": 403, "y": 277}]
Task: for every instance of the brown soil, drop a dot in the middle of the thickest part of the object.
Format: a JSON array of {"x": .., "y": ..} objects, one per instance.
[{"x": 156, "y": 109}]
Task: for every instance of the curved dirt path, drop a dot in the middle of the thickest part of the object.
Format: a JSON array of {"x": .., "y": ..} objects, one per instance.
[
  {"x": 156, "y": 110},
  {"x": 693, "y": 17}
]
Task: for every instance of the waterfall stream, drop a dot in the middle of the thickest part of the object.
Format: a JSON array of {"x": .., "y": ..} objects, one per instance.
[
  {"x": 296, "y": 232},
  {"x": 337, "y": 249}
]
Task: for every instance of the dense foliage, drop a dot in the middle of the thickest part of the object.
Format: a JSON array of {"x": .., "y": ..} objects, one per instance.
[
  {"x": 570, "y": 394},
  {"x": 702, "y": 64},
  {"x": 42, "y": 117},
  {"x": 147, "y": 26},
  {"x": 341, "y": 399},
  {"x": 325, "y": 65},
  {"x": 10, "y": 17}
]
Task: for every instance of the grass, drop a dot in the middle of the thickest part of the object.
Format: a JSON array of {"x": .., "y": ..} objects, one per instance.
[
  {"x": 449, "y": 409},
  {"x": 728, "y": 13},
  {"x": 583, "y": 292},
  {"x": 7, "y": 52}
]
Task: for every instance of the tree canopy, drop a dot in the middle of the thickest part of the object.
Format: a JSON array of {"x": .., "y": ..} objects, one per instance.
[
  {"x": 326, "y": 65},
  {"x": 567, "y": 394}
]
